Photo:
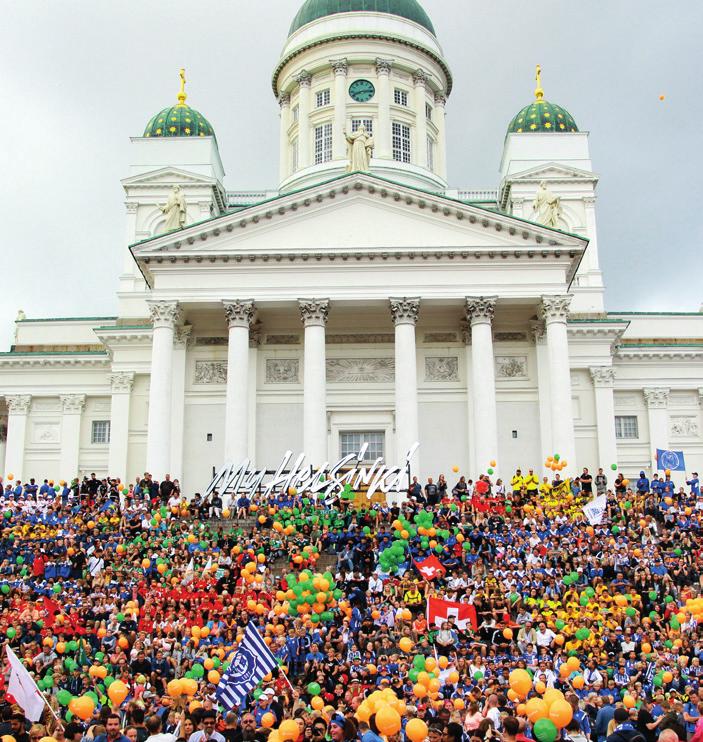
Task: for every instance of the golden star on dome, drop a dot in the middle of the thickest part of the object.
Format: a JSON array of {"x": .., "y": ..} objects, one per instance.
[
  {"x": 533, "y": 126},
  {"x": 172, "y": 130}
]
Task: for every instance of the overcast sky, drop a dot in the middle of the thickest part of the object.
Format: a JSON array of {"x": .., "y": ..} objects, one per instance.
[{"x": 78, "y": 77}]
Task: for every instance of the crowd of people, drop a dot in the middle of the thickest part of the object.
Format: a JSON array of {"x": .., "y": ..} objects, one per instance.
[{"x": 126, "y": 603}]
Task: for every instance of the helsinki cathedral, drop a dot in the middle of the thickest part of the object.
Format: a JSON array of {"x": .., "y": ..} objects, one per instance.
[{"x": 363, "y": 300}]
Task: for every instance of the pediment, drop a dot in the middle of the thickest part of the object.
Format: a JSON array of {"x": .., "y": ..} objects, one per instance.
[
  {"x": 354, "y": 213},
  {"x": 168, "y": 176},
  {"x": 553, "y": 171}
]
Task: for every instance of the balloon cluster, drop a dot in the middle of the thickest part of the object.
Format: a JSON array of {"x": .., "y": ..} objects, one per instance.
[
  {"x": 424, "y": 675},
  {"x": 310, "y": 595},
  {"x": 555, "y": 463},
  {"x": 548, "y": 714}
]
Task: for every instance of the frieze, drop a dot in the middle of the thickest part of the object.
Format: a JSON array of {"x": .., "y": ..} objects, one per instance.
[
  {"x": 440, "y": 337},
  {"x": 283, "y": 340},
  {"x": 361, "y": 339},
  {"x": 442, "y": 369},
  {"x": 360, "y": 370},
  {"x": 683, "y": 427},
  {"x": 282, "y": 371},
  {"x": 511, "y": 367},
  {"x": 210, "y": 372}
]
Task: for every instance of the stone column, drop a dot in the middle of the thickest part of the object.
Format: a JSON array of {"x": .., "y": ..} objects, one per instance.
[
  {"x": 3, "y": 442},
  {"x": 471, "y": 420},
  {"x": 420, "y": 82},
  {"x": 73, "y": 406},
  {"x": 284, "y": 142},
  {"x": 255, "y": 334},
  {"x": 313, "y": 313},
  {"x": 181, "y": 342},
  {"x": 603, "y": 384},
  {"x": 657, "y": 401},
  {"x": 545, "y": 420},
  {"x": 339, "y": 141},
  {"x": 121, "y": 384},
  {"x": 479, "y": 313},
  {"x": 18, "y": 408},
  {"x": 440, "y": 114},
  {"x": 304, "y": 80},
  {"x": 164, "y": 317},
  {"x": 405, "y": 312},
  {"x": 382, "y": 136},
  {"x": 555, "y": 311},
  {"x": 239, "y": 315}
]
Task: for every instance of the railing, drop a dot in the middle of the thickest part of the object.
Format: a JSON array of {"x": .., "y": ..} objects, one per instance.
[{"x": 479, "y": 194}]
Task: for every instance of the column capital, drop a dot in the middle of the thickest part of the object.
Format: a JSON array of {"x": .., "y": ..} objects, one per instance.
[
  {"x": 480, "y": 309},
  {"x": 18, "y": 404},
  {"x": 164, "y": 313},
  {"x": 383, "y": 66},
  {"x": 284, "y": 99},
  {"x": 589, "y": 200},
  {"x": 657, "y": 397},
  {"x": 304, "y": 79},
  {"x": 122, "y": 382},
  {"x": 131, "y": 207},
  {"x": 603, "y": 376},
  {"x": 420, "y": 77},
  {"x": 537, "y": 330},
  {"x": 465, "y": 330},
  {"x": 183, "y": 337},
  {"x": 555, "y": 308},
  {"x": 313, "y": 312},
  {"x": 72, "y": 403},
  {"x": 339, "y": 66},
  {"x": 405, "y": 311},
  {"x": 440, "y": 98},
  {"x": 239, "y": 312}
]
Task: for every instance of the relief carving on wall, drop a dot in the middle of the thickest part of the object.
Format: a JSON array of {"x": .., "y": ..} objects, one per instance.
[
  {"x": 210, "y": 372},
  {"x": 46, "y": 433},
  {"x": 511, "y": 367},
  {"x": 442, "y": 369},
  {"x": 360, "y": 370},
  {"x": 440, "y": 337},
  {"x": 282, "y": 370},
  {"x": 684, "y": 427},
  {"x": 283, "y": 340}
]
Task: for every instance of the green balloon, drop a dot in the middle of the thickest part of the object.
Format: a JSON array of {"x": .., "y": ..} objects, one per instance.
[
  {"x": 198, "y": 671},
  {"x": 478, "y": 676},
  {"x": 652, "y": 594},
  {"x": 615, "y": 530},
  {"x": 64, "y": 697},
  {"x": 314, "y": 689},
  {"x": 5, "y": 589},
  {"x": 545, "y": 730},
  {"x": 669, "y": 599},
  {"x": 11, "y": 633},
  {"x": 257, "y": 693},
  {"x": 614, "y": 467},
  {"x": 109, "y": 680},
  {"x": 20, "y": 560},
  {"x": 630, "y": 611},
  {"x": 94, "y": 696},
  {"x": 57, "y": 589},
  {"x": 412, "y": 674}
]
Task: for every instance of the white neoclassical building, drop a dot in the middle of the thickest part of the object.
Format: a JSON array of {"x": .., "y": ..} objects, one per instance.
[{"x": 383, "y": 306}]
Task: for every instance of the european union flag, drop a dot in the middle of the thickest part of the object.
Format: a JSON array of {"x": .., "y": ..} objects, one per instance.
[{"x": 672, "y": 460}]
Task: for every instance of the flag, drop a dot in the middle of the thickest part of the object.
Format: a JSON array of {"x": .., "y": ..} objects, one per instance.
[
  {"x": 189, "y": 573},
  {"x": 52, "y": 608},
  {"x": 23, "y": 688},
  {"x": 251, "y": 662},
  {"x": 83, "y": 660},
  {"x": 595, "y": 509},
  {"x": 208, "y": 566},
  {"x": 430, "y": 567},
  {"x": 439, "y": 611},
  {"x": 672, "y": 460}
]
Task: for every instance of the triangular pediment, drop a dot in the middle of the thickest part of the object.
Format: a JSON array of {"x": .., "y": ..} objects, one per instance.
[
  {"x": 168, "y": 176},
  {"x": 553, "y": 171},
  {"x": 356, "y": 212}
]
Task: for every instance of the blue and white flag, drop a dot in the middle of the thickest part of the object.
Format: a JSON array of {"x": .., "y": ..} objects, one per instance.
[
  {"x": 672, "y": 460},
  {"x": 595, "y": 510},
  {"x": 249, "y": 665}
]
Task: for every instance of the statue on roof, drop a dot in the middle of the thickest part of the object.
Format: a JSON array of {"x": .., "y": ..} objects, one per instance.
[
  {"x": 546, "y": 208},
  {"x": 360, "y": 148},
  {"x": 175, "y": 210}
]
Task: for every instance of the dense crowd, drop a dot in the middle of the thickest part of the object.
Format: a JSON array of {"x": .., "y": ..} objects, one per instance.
[{"x": 126, "y": 602}]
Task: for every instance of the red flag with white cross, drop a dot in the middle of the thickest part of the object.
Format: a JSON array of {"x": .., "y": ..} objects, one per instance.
[{"x": 439, "y": 611}]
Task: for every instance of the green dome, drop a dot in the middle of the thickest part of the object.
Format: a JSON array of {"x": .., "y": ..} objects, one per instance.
[
  {"x": 314, "y": 9},
  {"x": 179, "y": 121},
  {"x": 542, "y": 116}
]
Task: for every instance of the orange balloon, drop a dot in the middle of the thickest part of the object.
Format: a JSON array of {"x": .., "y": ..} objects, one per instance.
[
  {"x": 82, "y": 706},
  {"x": 419, "y": 690},
  {"x": 288, "y": 731},
  {"x": 388, "y": 720},
  {"x": 561, "y": 713},
  {"x": 268, "y": 720},
  {"x": 430, "y": 664},
  {"x": 628, "y": 702},
  {"x": 578, "y": 682},
  {"x": 416, "y": 730},
  {"x": 507, "y": 634},
  {"x": 317, "y": 703},
  {"x": 212, "y": 677},
  {"x": 536, "y": 709},
  {"x": 551, "y": 695},
  {"x": 520, "y": 681},
  {"x": 573, "y": 663},
  {"x": 175, "y": 688},
  {"x": 117, "y": 692},
  {"x": 540, "y": 687},
  {"x": 189, "y": 686},
  {"x": 363, "y": 713}
]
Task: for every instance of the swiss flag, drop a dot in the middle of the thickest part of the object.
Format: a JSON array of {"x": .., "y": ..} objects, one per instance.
[
  {"x": 439, "y": 611},
  {"x": 430, "y": 568}
]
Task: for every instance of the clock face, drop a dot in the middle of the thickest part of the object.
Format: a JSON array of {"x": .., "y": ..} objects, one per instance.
[{"x": 362, "y": 91}]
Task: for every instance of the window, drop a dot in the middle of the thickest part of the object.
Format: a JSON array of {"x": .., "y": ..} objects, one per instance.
[
  {"x": 626, "y": 426},
  {"x": 400, "y": 97},
  {"x": 401, "y": 142},
  {"x": 428, "y": 111},
  {"x": 100, "y": 432},
  {"x": 322, "y": 98},
  {"x": 294, "y": 155},
  {"x": 323, "y": 143},
  {"x": 368, "y": 123},
  {"x": 430, "y": 153},
  {"x": 352, "y": 442},
  {"x": 296, "y": 113}
]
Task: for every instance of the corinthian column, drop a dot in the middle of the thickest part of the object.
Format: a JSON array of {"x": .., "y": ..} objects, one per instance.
[
  {"x": 555, "y": 312},
  {"x": 17, "y": 410},
  {"x": 313, "y": 313},
  {"x": 657, "y": 400},
  {"x": 121, "y": 384},
  {"x": 72, "y": 406},
  {"x": 479, "y": 315},
  {"x": 420, "y": 82},
  {"x": 382, "y": 135},
  {"x": 239, "y": 313},
  {"x": 603, "y": 383},
  {"x": 164, "y": 317},
  {"x": 339, "y": 141},
  {"x": 304, "y": 80},
  {"x": 405, "y": 313}
]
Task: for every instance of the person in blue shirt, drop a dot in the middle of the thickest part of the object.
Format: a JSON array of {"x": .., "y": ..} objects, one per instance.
[
  {"x": 643, "y": 484},
  {"x": 694, "y": 484}
]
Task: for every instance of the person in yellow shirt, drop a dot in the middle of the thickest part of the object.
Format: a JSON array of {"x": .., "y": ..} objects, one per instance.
[
  {"x": 545, "y": 489},
  {"x": 517, "y": 482},
  {"x": 531, "y": 483}
]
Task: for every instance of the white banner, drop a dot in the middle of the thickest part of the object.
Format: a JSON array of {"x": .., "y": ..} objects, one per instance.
[
  {"x": 595, "y": 509},
  {"x": 23, "y": 688}
]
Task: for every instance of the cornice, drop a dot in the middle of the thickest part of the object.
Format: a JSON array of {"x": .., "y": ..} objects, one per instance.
[
  {"x": 92, "y": 359},
  {"x": 660, "y": 353}
]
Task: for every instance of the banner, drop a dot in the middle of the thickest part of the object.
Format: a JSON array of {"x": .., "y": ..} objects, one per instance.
[
  {"x": 430, "y": 567},
  {"x": 439, "y": 611},
  {"x": 23, "y": 688},
  {"x": 595, "y": 510},
  {"x": 672, "y": 460}
]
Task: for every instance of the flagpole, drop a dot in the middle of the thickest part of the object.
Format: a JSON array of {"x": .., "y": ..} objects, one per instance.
[{"x": 48, "y": 705}]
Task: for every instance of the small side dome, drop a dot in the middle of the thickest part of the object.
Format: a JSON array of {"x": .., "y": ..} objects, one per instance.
[
  {"x": 180, "y": 120},
  {"x": 541, "y": 115}
]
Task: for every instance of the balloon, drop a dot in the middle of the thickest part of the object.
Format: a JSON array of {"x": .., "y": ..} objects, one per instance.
[
  {"x": 314, "y": 689},
  {"x": 520, "y": 681},
  {"x": 317, "y": 703},
  {"x": 560, "y": 712},
  {"x": 11, "y": 632},
  {"x": 268, "y": 720},
  {"x": 64, "y": 697},
  {"x": 406, "y": 644},
  {"x": 82, "y": 707},
  {"x": 189, "y": 686},
  {"x": 416, "y": 730},
  {"x": 288, "y": 731},
  {"x": 628, "y": 702},
  {"x": 508, "y": 634},
  {"x": 388, "y": 720},
  {"x": 419, "y": 690},
  {"x": 545, "y": 730},
  {"x": 614, "y": 467},
  {"x": 117, "y": 692},
  {"x": 536, "y": 709},
  {"x": 213, "y": 677}
]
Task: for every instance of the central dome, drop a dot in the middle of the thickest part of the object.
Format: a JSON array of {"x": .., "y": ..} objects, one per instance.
[{"x": 314, "y": 9}]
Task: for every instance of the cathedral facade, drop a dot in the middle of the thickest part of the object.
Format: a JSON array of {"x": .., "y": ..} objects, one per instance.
[{"x": 363, "y": 300}]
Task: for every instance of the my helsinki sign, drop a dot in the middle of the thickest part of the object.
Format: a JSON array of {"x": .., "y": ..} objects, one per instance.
[{"x": 326, "y": 482}]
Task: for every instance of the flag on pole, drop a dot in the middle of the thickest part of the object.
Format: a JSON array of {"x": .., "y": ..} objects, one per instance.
[
  {"x": 189, "y": 573},
  {"x": 595, "y": 509},
  {"x": 250, "y": 664},
  {"x": 439, "y": 611},
  {"x": 208, "y": 566},
  {"x": 430, "y": 567},
  {"x": 23, "y": 688},
  {"x": 672, "y": 460},
  {"x": 83, "y": 660}
]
